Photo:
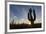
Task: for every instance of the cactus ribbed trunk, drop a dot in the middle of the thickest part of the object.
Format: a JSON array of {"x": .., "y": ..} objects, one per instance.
[{"x": 30, "y": 17}]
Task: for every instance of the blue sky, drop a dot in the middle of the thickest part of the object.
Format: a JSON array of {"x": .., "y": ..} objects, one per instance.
[{"x": 21, "y": 11}]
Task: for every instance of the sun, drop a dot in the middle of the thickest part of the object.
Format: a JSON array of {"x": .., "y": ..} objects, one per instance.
[{"x": 29, "y": 23}]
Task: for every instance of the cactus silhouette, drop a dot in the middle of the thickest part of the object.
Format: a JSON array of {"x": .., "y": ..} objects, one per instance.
[{"x": 30, "y": 17}]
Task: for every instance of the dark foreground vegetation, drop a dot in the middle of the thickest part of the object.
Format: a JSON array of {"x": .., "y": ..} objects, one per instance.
[{"x": 23, "y": 26}]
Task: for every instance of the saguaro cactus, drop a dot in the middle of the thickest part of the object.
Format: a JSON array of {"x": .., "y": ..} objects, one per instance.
[{"x": 30, "y": 17}]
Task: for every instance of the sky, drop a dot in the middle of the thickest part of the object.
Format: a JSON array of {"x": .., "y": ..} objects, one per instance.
[{"x": 20, "y": 13}]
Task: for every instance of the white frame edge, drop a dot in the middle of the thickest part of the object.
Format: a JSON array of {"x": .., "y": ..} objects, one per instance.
[{"x": 21, "y": 30}]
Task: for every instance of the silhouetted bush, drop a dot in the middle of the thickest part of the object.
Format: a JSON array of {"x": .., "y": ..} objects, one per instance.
[{"x": 22, "y": 26}]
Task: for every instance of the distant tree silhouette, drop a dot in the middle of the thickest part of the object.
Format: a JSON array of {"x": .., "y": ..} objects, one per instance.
[
  {"x": 30, "y": 17},
  {"x": 13, "y": 21}
]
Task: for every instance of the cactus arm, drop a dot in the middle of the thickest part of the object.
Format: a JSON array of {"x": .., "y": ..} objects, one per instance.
[
  {"x": 34, "y": 14},
  {"x": 30, "y": 18}
]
